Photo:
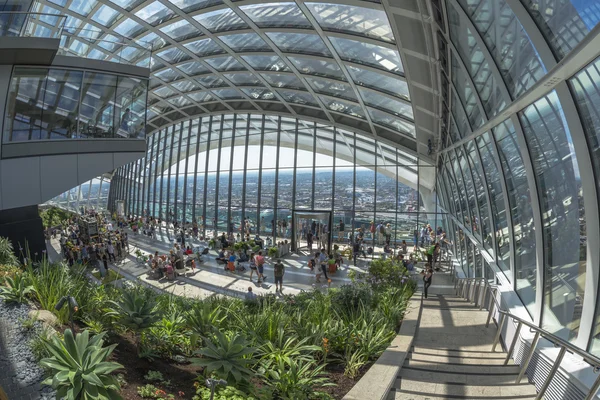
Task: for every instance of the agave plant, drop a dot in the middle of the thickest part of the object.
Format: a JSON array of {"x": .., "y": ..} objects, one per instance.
[
  {"x": 228, "y": 358},
  {"x": 295, "y": 379},
  {"x": 80, "y": 369},
  {"x": 16, "y": 289},
  {"x": 135, "y": 312},
  {"x": 203, "y": 317}
]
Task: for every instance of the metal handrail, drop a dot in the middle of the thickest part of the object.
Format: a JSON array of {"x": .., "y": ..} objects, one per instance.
[{"x": 466, "y": 285}]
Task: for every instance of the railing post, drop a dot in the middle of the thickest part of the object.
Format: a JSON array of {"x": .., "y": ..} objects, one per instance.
[
  {"x": 513, "y": 343},
  {"x": 592, "y": 393},
  {"x": 555, "y": 367},
  {"x": 525, "y": 363},
  {"x": 500, "y": 326},
  {"x": 491, "y": 307},
  {"x": 482, "y": 294}
]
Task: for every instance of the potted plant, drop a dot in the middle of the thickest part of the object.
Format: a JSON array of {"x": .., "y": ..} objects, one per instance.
[
  {"x": 273, "y": 252},
  {"x": 211, "y": 243}
]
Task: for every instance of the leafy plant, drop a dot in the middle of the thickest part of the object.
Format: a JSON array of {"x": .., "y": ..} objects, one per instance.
[
  {"x": 154, "y": 376},
  {"x": 80, "y": 368},
  {"x": 273, "y": 252},
  {"x": 7, "y": 255},
  {"x": 38, "y": 343},
  {"x": 29, "y": 322},
  {"x": 295, "y": 380},
  {"x": 16, "y": 289},
  {"x": 8, "y": 270},
  {"x": 285, "y": 349},
  {"x": 136, "y": 312},
  {"x": 203, "y": 317},
  {"x": 221, "y": 393},
  {"x": 228, "y": 358}
]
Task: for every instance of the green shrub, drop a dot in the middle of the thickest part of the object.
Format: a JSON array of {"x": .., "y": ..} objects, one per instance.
[
  {"x": 295, "y": 379},
  {"x": 39, "y": 343},
  {"x": 154, "y": 376},
  {"x": 17, "y": 289},
  {"x": 229, "y": 358},
  {"x": 136, "y": 312},
  {"x": 221, "y": 393},
  {"x": 8, "y": 270},
  {"x": 273, "y": 252},
  {"x": 7, "y": 255},
  {"x": 80, "y": 367}
]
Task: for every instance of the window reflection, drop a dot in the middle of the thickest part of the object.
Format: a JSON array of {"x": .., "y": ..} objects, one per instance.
[
  {"x": 69, "y": 104},
  {"x": 563, "y": 214},
  {"x": 521, "y": 212}
]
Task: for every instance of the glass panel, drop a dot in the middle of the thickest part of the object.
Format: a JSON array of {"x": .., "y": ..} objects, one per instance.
[
  {"x": 332, "y": 88},
  {"x": 563, "y": 214},
  {"x": 193, "y": 68},
  {"x": 522, "y": 215},
  {"x": 359, "y": 20},
  {"x": 211, "y": 81},
  {"x": 392, "y": 122},
  {"x": 387, "y": 104},
  {"x": 204, "y": 47},
  {"x": 492, "y": 175},
  {"x": 199, "y": 97},
  {"x": 243, "y": 79},
  {"x": 467, "y": 95},
  {"x": 476, "y": 64},
  {"x": 343, "y": 106},
  {"x": 484, "y": 214},
  {"x": 259, "y": 94},
  {"x": 185, "y": 86},
  {"x": 193, "y": 5},
  {"x": 129, "y": 28},
  {"x": 173, "y": 55},
  {"x": 368, "y": 54},
  {"x": 585, "y": 88},
  {"x": 384, "y": 83},
  {"x": 508, "y": 43},
  {"x": 155, "y": 13},
  {"x": 284, "y": 81},
  {"x": 275, "y": 15},
  {"x": 298, "y": 97},
  {"x": 227, "y": 94},
  {"x": 221, "y": 20},
  {"x": 227, "y": 63},
  {"x": 180, "y": 30},
  {"x": 563, "y": 23},
  {"x": 243, "y": 42},
  {"x": 306, "y": 43},
  {"x": 97, "y": 111},
  {"x": 325, "y": 68},
  {"x": 266, "y": 63},
  {"x": 105, "y": 15}
]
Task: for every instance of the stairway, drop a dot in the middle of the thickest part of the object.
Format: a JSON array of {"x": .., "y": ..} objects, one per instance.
[{"x": 451, "y": 356}]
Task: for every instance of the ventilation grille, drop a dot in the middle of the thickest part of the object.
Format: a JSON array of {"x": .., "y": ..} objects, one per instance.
[{"x": 560, "y": 388}]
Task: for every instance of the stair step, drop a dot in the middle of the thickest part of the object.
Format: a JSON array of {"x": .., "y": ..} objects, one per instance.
[
  {"x": 460, "y": 368},
  {"x": 445, "y": 359},
  {"x": 477, "y": 354},
  {"x": 433, "y": 376},
  {"x": 419, "y": 390}
]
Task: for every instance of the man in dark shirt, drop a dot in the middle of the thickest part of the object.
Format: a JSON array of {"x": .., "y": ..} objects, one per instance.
[{"x": 278, "y": 269}]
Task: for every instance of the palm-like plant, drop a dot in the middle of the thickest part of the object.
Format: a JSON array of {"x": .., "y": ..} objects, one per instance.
[
  {"x": 16, "y": 289},
  {"x": 203, "y": 317},
  {"x": 228, "y": 358},
  {"x": 80, "y": 369},
  {"x": 135, "y": 312},
  {"x": 285, "y": 349}
]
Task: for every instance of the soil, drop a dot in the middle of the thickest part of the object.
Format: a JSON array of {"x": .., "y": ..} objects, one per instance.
[
  {"x": 181, "y": 375},
  {"x": 335, "y": 373}
]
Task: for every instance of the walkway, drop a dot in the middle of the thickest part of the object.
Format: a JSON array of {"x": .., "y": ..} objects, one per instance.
[
  {"x": 211, "y": 278},
  {"x": 451, "y": 356}
]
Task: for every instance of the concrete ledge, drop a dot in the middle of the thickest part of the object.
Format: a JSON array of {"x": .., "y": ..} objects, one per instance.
[{"x": 381, "y": 377}]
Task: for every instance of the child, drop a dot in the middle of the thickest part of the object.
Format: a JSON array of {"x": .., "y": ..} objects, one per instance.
[
  {"x": 193, "y": 266},
  {"x": 317, "y": 269},
  {"x": 253, "y": 266}
]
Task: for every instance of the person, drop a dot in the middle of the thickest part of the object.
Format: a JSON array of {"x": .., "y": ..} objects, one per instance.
[
  {"x": 250, "y": 295},
  {"x": 221, "y": 257},
  {"x": 232, "y": 258},
  {"x": 125, "y": 120},
  {"x": 309, "y": 240},
  {"x": 331, "y": 264},
  {"x": 341, "y": 229},
  {"x": 253, "y": 267},
  {"x": 278, "y": 271},
  {"x": 260, "y": 265},
  {"x": 193, "y": 266},
  {"x": 317, "y": 267},
  {"x": 427, "y": 280},
  {"x": 431, "y": 252},
  {"x": 323, "y": 263},
  {"x": 182, "y": 234},
  {"x": 404, "y": 247},
  {"x": 188, "y": 251},
  {"x": 111, "y": 251}
]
